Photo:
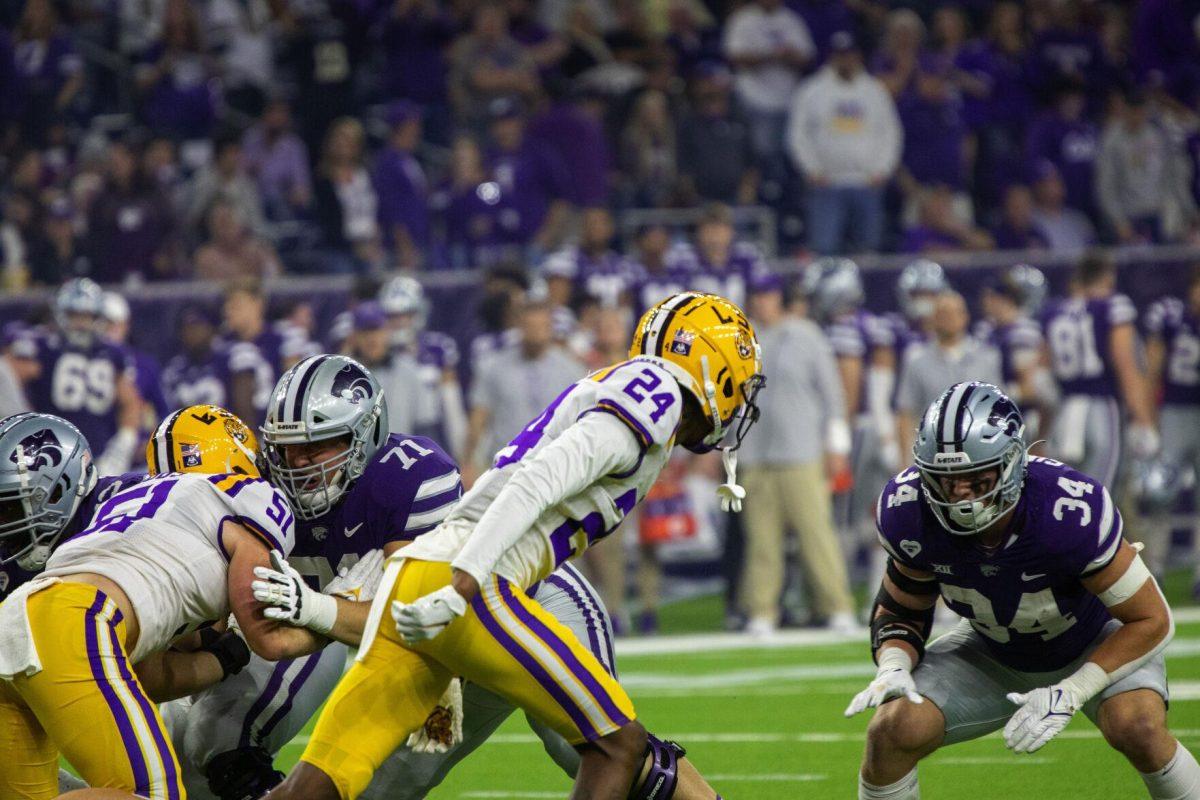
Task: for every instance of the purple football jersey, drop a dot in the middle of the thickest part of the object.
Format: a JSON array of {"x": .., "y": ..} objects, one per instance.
[
  {"x": 78, "y": 383},
  {"x": 12, "y": 576},
  {"x": 1078, "y": 334},
  {"x": 1026, "y": 598},
  {"x": 904, "y": 335},
  {"x": 652, "y": 287},
  {"x": 1014, "y": 341},
  {"x": 606, "y": 278},
  {"x": 1170, "y": 320},
  {"x": 859, "y": 334},
  {"x": 406, "y": 490}
]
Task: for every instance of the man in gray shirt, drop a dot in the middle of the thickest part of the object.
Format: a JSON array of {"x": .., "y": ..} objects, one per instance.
[
  {"x": 951, "y": 356},
  {"x": 515, "y": 385},
  {"x": 801, "y": 440}
]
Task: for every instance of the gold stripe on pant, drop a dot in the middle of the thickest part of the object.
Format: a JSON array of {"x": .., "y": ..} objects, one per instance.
[{"x": 796, "y": 498}]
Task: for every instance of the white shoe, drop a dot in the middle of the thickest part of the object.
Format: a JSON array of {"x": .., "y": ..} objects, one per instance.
[
  {"x": 843, "y": 623},
  {"x": 761, "y": 627}
]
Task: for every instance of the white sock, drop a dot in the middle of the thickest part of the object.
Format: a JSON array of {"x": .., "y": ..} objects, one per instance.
[
  {"x": 906, "y": 788},
  {"x": 1178, "y": 780}
]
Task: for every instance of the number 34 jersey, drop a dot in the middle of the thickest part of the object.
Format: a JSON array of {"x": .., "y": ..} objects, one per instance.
[
  {"x": 161, "y": 542},
  {"x": 1025, "y": 598},
  {"x": 642, "y": 395}
]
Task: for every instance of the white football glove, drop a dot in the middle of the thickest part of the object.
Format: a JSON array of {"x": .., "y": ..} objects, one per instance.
[
  {"x": 427, "y": 616},
  {"x": 1143, "y": 441},
  {"x": 360, "y": 582},
  {"x": 893, "y": 679},
  {"x": 443, "y": 729},
  {"x": 1042, "y": 714},
  {"x": 289, "y": 599}
]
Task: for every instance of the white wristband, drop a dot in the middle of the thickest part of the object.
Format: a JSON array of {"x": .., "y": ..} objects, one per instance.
[
  {"x": 324, "y": 613},
  {"x": 838, "y": 439},
  {"x": 894, "y": 658},
  {"x": 1087, "y": 681}
]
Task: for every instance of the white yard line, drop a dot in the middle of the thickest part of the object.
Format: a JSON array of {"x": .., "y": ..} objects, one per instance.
[{"x": 770, "y": 777}]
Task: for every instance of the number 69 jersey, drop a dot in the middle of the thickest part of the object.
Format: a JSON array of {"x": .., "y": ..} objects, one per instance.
[
  {"x": 642, "y": 395},
  {"x": 1025, "y": 599},
  {"x": 160, "y": 541}
]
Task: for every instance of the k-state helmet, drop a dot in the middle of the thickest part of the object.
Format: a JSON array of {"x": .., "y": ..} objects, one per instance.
[
  {"x": 1158, "y": 482},
  {"x": 321, "y": 398},
  {"x": 403, "y": 296},
  {"x": 833, "y": 286},
  {"x": 922, "y": 276},
  {"x": 79, "y": 297},
  {"x": 46, "y": 471},
  {"x": 972, "y": 427},
  {"x": 1028, "y": 287}
]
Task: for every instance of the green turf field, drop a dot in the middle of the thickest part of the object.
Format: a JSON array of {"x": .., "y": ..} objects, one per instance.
[{"x": 766, "y": 722}]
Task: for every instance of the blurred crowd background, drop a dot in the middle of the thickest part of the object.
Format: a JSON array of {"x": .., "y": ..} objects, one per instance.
[{"x": 477, "y": 199}]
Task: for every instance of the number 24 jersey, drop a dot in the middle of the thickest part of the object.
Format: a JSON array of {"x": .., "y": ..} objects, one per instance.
[{"x": 1025, "y": 598}]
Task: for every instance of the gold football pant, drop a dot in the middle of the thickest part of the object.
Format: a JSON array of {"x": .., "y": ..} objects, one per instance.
[
  {"x": 86, "y": 702},
  {"x": 506, "y": 642}
]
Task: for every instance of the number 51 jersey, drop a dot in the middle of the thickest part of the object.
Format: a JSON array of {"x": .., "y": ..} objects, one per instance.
[
  {"x": 161, "y": 542},
  {"x": 1025, "y": 598}
]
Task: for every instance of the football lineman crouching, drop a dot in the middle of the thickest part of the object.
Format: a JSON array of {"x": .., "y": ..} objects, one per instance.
[
  {"x": 158, "y": 559},
  {"x": 1060, "y": 614}
]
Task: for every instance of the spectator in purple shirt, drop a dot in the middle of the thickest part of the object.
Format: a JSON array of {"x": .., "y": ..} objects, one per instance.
[
  {"x": 487, "y": 64},
  {"x": 174, "y": 77},
  {"x": 1066, "y": 138},
  {"x": 1065, "y": 229},
  {"x": 531, "y": 178},
  {"x": 573, "y": 128},
  {"x": 468, "y": 207},
  {"x": 277, "y": 159},
  {"x": 1016, "y": 230},
  {"x": 895, "y": 61},
  {"x": 939, "y": 229},
  {"x": 823, "y": 18},
  {"x": 130, "y": 227},
  {"x": 1164, "y": 41},
  {"x": 935, "y": 134},
  {"x": 50, "y": 69},
  {"x": 403, "y": 190},
  {"x": 1067, "y": 49},
  {"x": 414, "y": 39}
]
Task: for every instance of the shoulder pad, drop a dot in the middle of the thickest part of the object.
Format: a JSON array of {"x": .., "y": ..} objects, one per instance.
[
  {"x": 898, "y": 519},
  {"x": 643, "y": 394}
]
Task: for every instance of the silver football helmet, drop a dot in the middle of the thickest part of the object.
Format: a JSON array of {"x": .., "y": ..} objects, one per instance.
[
  {"x": 922, "y": 276},
  {"x": 972, "y": 427},
  {"x": 833, "y": 286},
  {"x": 46, "y": 471},
  {"x": 79, "y": 297},
  {"x": 1029, "y": 285},
  {"x": 1157, "y": 483},
  {"x": 403, "y": 296},
  {"x": 321, "y": 398}
]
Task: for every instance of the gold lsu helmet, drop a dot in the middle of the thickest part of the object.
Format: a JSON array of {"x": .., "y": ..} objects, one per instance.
[
  {"x": 206, "y": 439},
  {"x": 710, "y": 347}
]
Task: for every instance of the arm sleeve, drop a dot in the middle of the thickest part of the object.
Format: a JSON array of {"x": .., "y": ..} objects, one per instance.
[{"x": 595, "y": 446}]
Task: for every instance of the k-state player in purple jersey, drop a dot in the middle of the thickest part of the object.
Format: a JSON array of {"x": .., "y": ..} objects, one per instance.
[
  {"x": 1091, "y": 344},
  {"x": 1059, "y": 612},
  {"x": 84, "y": 378}
]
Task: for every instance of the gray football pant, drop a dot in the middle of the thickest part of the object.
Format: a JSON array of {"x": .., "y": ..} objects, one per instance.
[
  {"x": 267, "y": 704},
  {"x": 1101, "y": 437}
]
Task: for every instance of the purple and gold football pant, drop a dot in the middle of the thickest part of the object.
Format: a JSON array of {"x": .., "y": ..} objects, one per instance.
[
  {"x": 506, "y": 642},
  {"x": 85, "y": 703}
]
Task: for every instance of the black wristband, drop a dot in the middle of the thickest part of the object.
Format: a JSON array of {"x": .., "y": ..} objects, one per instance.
[
  {"x": 908, "y": 584},
  {"x": 231, "y": 651}
]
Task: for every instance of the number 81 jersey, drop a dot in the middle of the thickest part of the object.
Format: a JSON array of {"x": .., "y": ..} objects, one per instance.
[{"x": 1025, "y": 598}]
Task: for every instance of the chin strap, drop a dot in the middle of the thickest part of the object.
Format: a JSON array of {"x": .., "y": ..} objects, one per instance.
[{"x": 730, "y": 492}]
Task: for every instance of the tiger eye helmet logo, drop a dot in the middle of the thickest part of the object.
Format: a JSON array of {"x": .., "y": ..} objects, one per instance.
[
  {"x": 236, "y": 430},
  {"x": 745, "y": 348}
]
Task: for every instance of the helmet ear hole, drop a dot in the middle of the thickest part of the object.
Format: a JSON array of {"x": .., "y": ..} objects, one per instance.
[
  {"x": 727, "y": 388},
  {"x": 57, "y": 493}
]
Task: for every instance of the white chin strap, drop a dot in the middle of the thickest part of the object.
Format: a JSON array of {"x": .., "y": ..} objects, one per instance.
[
  {"x": 730, "y": 492},
  {"x": 973, "y": 515}
]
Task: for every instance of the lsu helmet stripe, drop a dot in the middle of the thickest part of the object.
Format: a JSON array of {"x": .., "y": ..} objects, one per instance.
[
  {"x": 658, "y": 324},
  {"x": 165, "y": 453}
]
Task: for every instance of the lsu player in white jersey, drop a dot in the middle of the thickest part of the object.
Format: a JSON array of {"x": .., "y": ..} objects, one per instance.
[
  {"x": 457, "y": 598},
  {"x": 157, "y": 561}
]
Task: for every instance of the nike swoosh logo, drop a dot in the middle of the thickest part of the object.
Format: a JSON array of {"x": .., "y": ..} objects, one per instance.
[
  {"x": 1025, "y": 577},
  {"x": 351, "y": 531}
]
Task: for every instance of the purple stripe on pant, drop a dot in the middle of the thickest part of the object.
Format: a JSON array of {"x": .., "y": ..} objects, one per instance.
[
  {"x": 141, "y": 776},
  {"x": 261, "y": 704},
  {"x": 601, "y": 611},
  {"x": 536, "y": 670},
  {"x": 593, "y": 621},
  {"x": 547, "y": 636},
  {"x": 160, "y": 742},
  {"x": 309, "y": 665}
]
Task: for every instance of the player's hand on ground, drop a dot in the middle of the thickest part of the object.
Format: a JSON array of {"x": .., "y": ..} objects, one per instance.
[
  {"x": 890, "y": 682},
  {"x": 1041, "y": 715},
  {"x": 427, "y": 616},
  {"x": 443, "y": 729},
  {"x": 287, "y": 597}
]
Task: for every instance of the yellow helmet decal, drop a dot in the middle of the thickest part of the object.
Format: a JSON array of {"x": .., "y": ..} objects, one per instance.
[{"x": 206, "y": 439}]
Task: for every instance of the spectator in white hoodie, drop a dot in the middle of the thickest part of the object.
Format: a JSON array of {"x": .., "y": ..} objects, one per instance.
[{"x": 845, "y": 137}]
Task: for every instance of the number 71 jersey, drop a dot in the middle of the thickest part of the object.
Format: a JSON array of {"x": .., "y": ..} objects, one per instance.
[{"x": 1025, "y": 598}]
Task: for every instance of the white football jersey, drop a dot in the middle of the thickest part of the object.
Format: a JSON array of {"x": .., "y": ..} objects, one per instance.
[
  {"x": 643, "y": 395},
  {"x": 160, "y": 541}
]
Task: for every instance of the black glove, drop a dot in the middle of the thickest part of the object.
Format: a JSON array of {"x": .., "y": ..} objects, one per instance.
[{"x": 230, "y": 649}]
